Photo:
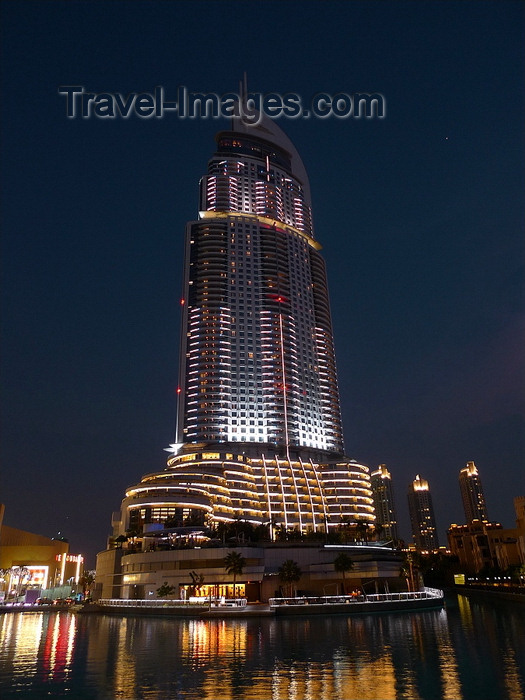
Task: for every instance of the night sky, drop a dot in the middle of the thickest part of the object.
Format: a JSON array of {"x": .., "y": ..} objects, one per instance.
[{"x": 420, "y": 216}]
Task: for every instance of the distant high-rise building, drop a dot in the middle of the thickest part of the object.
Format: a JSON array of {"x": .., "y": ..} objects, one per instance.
[
  {"x": 472, "y": 493},
  {"x": 422, "y": 518},
  {"x": 383, "y": 496},
  {"x": 475, "y": 544},
  {"x": 259, "y": 430}
]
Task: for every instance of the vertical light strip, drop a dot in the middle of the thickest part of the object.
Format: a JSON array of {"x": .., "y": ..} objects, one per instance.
[
  {"x": 77, "y": 574},
  {"x": 268, "y": 496},
  {"x": 297, "y": 498},
  {"x": 286, "y": 437},
  {"x": 285, "y": 397},
  {"x": 322, "y": 496},
  {"x": 63, "y": 569},
  {"x": 309, "y": 492},
  {"x": 282, "y": 492}
]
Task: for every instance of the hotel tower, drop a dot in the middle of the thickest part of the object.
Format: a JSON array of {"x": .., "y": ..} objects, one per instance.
[
  {"x": 421, "y": 511},
  {"x": 383, "y": 496},
  {"x": 259, "y": 434},
  {"x": 472, "y": 493}
]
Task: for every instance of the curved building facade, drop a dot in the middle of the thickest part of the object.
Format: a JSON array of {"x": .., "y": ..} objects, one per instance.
[{"x": 259, "y": 430}]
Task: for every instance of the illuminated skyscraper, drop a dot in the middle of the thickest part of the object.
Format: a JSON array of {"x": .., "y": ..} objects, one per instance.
[
  {"x": 472, "y": 493},
  {"x": 383, "y": 495},
  {"x": 422, "y": 518},
  {"x": 259, "y": 433}
]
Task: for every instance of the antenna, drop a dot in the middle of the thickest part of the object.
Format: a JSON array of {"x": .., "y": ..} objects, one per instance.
[
  {"x": 243, "y": 88},
  {"x": 243, "y": 96}
]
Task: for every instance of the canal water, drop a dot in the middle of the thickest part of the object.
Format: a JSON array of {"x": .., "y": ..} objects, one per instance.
[{"x": 468, "y": 651}]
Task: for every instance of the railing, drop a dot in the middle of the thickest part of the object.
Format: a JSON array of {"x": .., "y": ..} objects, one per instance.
[
  {"x": 155, "y": 603},
  {"x": 20, "y": 604},
  {"x": 229, "y": 602},
  {"x": 425, "y": 594},
  {"x": 172, "y": 603},
  {"x": 518, "y": 589},
  {"x": 434, "y": 592}
]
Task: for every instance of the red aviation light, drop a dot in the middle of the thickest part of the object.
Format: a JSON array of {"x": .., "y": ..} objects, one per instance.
[
  {"x": 273, "y": 227},
  {"x": 179, "y": 390},
  {"x": 182, "y": 302},
  {"x": 279, "y": 298}
]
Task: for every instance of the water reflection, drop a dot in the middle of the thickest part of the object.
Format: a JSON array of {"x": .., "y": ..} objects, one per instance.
[
  {"x": 125, "y": 680},
  {"x": 58, "y": 644},
  {"x": 468, "y": 651},
  {"x": 21, "y": 640},
  {"x": 498, "y": 631},
  {"x": 35, "y": 644},
  {"x": 448, "y": 663}
]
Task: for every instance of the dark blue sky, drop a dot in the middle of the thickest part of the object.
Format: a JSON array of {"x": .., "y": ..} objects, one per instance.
[{"x": 420, "y": 216}]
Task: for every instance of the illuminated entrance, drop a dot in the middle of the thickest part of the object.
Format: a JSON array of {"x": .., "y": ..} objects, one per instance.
[{"x": 213, "y": 590}]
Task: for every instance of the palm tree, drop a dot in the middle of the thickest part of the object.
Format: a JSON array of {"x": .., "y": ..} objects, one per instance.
[
  {"x": 20, "y": 572},
  {"x": 342, "y": 564},
  {"x": 85, "y": 582},
  {"x": 407, "y": 571},
  {"x": 14, "y": 571},
  {"x": 404, "y": 572},
  {"x": 119, "y": 541},
  {"x": 234, "y": 563},
  {"x": 3, "y": 584},
  {"x": 289, "y": 573}
]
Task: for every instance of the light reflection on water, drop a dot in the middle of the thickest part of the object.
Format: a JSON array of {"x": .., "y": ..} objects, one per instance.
[{"x": 468, "y": 651}]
